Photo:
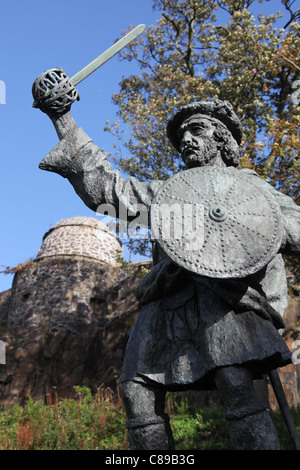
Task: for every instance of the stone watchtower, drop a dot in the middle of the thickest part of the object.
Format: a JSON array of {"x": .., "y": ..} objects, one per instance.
[
  {"x": 61, "y": 288},
  {"x": 81, "y": 236},
  {"x": 69, "y": 314}
]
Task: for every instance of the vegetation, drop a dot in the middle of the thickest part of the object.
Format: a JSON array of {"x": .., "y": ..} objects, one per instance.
[
  {"x": 87, "y": 423},
  {"x": 98, "y": 423},
  {"x": 19, "y": 267}
]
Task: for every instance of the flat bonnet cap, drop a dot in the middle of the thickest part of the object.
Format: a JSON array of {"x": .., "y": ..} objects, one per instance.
[{"x": 215, "y": 109}]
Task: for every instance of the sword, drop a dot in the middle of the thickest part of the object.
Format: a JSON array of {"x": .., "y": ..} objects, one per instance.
[
  {"x": 108, "y": 54},
  {"x": 54, "y": 90},
  {"x": 284, "y": 408}
]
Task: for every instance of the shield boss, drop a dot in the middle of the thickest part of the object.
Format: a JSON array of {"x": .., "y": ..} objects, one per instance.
[{"x": 217, "y": 222}]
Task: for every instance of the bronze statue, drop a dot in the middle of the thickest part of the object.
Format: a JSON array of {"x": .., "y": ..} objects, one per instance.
[{"x": 202, "y": 325}]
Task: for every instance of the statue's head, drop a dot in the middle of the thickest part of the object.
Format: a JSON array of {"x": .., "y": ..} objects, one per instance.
[{"x": 206, "y": 133}]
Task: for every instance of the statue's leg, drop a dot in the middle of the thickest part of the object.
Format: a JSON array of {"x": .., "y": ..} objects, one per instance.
[
  {"x": 249, "y": 424},
  {"x": 148, "y": 425}
]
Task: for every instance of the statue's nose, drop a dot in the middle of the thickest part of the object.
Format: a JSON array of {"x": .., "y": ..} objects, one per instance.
[{"x": 187, "y": 137}]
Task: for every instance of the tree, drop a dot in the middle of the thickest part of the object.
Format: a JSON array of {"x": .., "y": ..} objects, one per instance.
[{"x": 188, "y": 56}]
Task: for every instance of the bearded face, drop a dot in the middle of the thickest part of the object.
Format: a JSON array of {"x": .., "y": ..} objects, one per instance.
[{"x": 198, "y": 147}]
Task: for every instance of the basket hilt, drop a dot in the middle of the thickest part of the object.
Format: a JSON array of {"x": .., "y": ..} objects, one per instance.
[{"x": 53, "y": 92}]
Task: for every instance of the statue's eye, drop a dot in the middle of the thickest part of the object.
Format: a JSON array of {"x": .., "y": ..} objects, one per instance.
[{"x": 198, "y": 129}]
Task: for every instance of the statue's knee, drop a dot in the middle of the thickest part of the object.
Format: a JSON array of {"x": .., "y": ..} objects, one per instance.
[
  {"x": 238, "y": 393},
  {"x": 150, "y": 433},
  {"x": 236, "y": 387},
  {"x": 142, "y": 400},
  {"x": 127, "y": 390},
  {"x": 233, "y": 378},
  {"x": 147, "y": 424},
  {"x": 248, "y": 422},
  {"x": 129, "y": 395}
]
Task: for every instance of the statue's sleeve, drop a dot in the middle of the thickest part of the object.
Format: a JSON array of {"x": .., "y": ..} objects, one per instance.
[
  {"x": 90, "y": 173},
  {"x": 291, "y": 218}
]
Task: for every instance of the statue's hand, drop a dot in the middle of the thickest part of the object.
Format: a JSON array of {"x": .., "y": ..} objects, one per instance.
[{"x": 53, "y": 93}]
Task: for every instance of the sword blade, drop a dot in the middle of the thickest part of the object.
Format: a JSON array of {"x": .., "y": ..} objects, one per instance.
[{"x": 108, "y": 54}]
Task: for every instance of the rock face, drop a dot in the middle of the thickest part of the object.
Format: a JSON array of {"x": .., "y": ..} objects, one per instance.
[{"x": 67, "y": 318}]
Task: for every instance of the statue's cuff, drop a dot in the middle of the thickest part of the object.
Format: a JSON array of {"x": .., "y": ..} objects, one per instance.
[
  {"x": 291, "y": 238},
  {"x": 60, "y": 158}
]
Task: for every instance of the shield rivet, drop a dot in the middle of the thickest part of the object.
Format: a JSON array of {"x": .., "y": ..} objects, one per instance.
[{"x": 218, "y": 213}]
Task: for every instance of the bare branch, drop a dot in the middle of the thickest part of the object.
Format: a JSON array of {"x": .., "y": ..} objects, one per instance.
[
  {"x": 295, "y": 15},
  {"x": 290, "y": 61}
]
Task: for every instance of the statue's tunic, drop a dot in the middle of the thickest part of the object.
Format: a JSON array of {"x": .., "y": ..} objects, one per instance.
[{"x": 188, "y": 325}]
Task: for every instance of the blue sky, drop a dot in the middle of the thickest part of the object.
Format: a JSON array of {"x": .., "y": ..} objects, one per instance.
[{"x": 36, "y": 36}]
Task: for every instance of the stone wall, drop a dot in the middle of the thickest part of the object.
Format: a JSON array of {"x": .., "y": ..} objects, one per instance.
[{"x": 56, "y": 293}]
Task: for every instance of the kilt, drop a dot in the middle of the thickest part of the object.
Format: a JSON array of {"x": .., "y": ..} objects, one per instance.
[{"x": 180, "y": 340}]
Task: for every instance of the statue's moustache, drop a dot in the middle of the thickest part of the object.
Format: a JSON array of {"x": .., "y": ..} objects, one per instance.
[{"x": 188, "y": 148}]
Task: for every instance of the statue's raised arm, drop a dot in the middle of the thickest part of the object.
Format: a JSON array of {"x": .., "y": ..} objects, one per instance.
[{"x": 76, "y": 155}]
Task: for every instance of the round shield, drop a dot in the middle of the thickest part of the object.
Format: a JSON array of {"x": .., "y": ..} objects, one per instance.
[{"x": 217, "y": 222}]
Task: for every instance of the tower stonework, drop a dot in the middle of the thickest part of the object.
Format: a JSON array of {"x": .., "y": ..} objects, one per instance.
[
  {"x": 64, "y": 285},
  {"x": 81, "y": 236}
]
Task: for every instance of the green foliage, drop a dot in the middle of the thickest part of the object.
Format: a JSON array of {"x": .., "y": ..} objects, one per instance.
[
  {"x": 97, "y": 422},
  {"x": 199, "y": 429},
  {"x": 87, "y": 423}
]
